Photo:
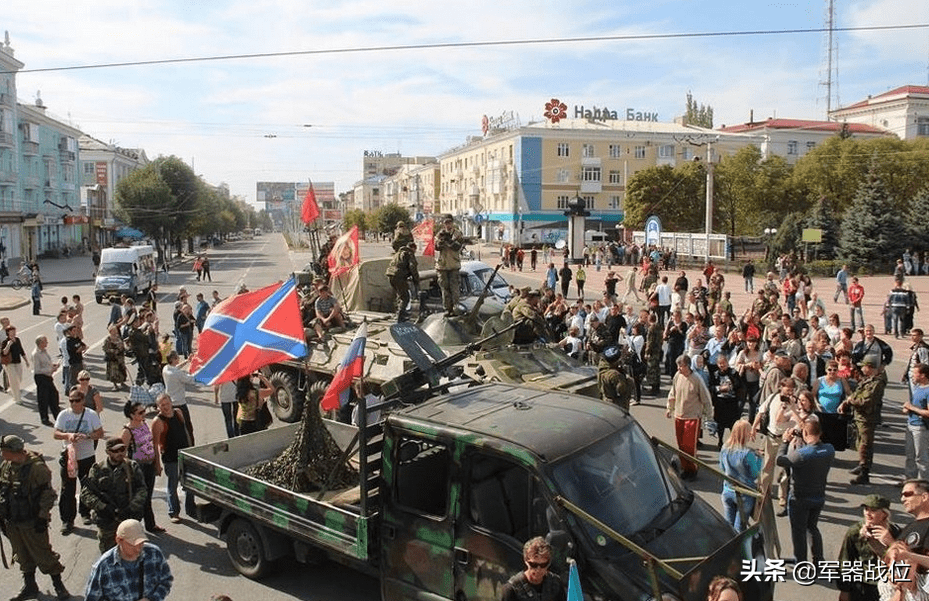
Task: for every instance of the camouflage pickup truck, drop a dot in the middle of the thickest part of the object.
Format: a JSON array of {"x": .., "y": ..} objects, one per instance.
[{"x": 451, "y": 487}]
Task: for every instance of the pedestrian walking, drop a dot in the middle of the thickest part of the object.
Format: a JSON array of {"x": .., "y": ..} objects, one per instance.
[
  {"x": 114, "y": 489},
  {"x": 36, "y": 295},
  {"x": 46, "y": 394},
  {"x": 77, "y": 428},
  {"x": 12, "y": 356},
  {"x": 171, "y": 433}
]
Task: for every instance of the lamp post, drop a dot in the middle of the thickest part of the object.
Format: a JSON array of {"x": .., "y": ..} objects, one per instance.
[{"x": 770, "y": 232}]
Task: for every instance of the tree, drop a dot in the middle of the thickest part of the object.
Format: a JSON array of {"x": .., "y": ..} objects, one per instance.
[
  {"x": 751, "y": 193},
  {"x": 821, "y": 217},
  {"x": 355, "y": 217},
  {"x": 144, "y": 201},
  {"x": 788, "y": 235},
  {"x": 387, "y": 216},
  {"x": 872, "y": 231},
  {"x": 676, "y": 195},
  {"x": 916, "y": 220},
  {"x": 701, "y": 115}
]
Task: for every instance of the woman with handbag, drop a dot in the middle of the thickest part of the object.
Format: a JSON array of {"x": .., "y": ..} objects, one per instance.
[
  {"x": 12, "y": 356},
  {"x": 139, "y": 440},
  {"x": 253, "y": 413}
]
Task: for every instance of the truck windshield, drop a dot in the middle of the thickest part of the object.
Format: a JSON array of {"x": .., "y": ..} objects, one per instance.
[
  {"x": 619, "y": 481},
  {"x": 115, "y": 269}
]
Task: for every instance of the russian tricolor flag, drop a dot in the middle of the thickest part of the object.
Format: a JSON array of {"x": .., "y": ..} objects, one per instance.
[{"x": 352, "y": 367}]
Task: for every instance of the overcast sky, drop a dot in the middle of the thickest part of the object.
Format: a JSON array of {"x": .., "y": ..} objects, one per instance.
[{"x": 324, "y": 109}]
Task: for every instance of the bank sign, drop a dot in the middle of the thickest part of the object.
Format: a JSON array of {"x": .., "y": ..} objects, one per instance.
[{"x": 555, "y": 111}]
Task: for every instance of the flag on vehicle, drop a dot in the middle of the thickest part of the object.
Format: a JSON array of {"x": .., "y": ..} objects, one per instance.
[
  {"x": 574, "y": 583},
  {"x": 352, "y": 367},
  {"x": 248, "y": 331},
  {"x": 344, "y": 254},
  {"x": 422, "y": 233},
  {"x": 310, "y": 210}
]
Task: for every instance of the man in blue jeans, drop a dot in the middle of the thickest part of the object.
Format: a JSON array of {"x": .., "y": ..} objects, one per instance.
[
  {"x": 809, "y": 468},
  {"x": 171, "y": 433}
]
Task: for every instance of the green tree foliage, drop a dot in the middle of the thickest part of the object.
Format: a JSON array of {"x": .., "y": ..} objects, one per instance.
[
  {"x": 387, "y": 216},
  {"x": 677, "y": 195},
  {"x": 699, "y": 115},
  {"x": 751, "y": 193},
  {"x": 871, "y": 232},
  {"x": 916, "y": 221},
  {"x": 355, "y": 217},
  {"x": 821, "y": 217},
  {"x": 144, "y": 201},
  {"x": 788, "y": 235}
]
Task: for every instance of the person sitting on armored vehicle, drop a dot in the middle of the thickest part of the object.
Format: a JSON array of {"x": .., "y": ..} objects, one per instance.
[
  {"x": 534, "y": 328},
  {"x": 613, "y": 377},
  {"x": 328, "y": 312},
  {"x": 516, "y": 300},
  {"x": 402, "y": 236}
]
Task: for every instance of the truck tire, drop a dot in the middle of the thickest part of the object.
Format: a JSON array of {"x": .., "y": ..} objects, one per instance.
[
  {"x": 246, "y": 550},
  {"x": 99, "y": 300},
  {"x": 286, "y": 400}
]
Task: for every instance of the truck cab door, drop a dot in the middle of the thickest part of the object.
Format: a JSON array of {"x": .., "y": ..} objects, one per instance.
[
  {"x": 417, "y": 518},
  {"x": 501, "y": 508}
]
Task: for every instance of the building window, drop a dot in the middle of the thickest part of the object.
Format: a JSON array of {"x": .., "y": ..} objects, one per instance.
[
  {"x": 589, "y": 202},
  {"x": 640, "y": 152},
  {"x": 810, "y": 146},
  {"x": 563, "y": 149},
  {"x": 562, "y": 202},
  {"x": 792, "y": 147},
  {"x": 616, "y": 202},
  {"x": 687, "y": 154},
  {"x": 564, "y": 176},
  {"x": 922, "y": 126},
  {"x": 590, "y": 174},
  {"x": 616, "y": 151},
  {"x": 666, "y": 151},
  {"x": 616, "y": 177},
  {"x": 587, "y": 151}
]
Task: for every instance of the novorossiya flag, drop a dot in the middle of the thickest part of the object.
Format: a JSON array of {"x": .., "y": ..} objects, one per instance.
[
  {"x": 248, "y": 331},
  {"x": 352, "y": 367}
]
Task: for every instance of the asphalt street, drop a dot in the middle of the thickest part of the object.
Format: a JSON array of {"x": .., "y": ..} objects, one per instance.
[{"x": 198, "y": 556}]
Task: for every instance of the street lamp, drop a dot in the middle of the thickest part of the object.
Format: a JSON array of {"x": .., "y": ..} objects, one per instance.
[{"x": 770, "y": 232}]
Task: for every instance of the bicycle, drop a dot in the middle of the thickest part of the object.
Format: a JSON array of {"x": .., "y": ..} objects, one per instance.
[{"x": 22, "y": 278}]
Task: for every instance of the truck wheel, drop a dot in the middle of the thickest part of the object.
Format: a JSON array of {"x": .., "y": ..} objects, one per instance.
[
  {"x": 246, "y": 552},
  {"x": 286, "y": 400},
  {"x": 99, "y": 300}
]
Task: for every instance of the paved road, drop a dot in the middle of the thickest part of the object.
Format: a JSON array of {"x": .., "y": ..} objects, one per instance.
[{"x": 198, "y": 557}]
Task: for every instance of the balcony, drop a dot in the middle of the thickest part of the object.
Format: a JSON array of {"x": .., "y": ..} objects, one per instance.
[
  {"x": 30, "y": 182},
  {"x": 7, "y": 140},
  {"x": 66, "y": 156},
  {"x": 8, "y": 177},
  {"x": 30, "y": 148}
]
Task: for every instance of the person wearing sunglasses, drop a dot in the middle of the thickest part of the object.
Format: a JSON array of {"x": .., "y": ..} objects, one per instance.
[
  {"x": 78, "y": 428},
  {"x": 114, "y": 489},
  {"x": 536, "y": 582}
]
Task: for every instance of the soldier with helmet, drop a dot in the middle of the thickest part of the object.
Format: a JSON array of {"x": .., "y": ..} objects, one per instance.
[
  {"x": 448, "y": 245},
  {"x": 615, "y": 385},
  {"x": 26, "y": 501},
  {"x": 402, "y": 236},
  {"x": 403, "y": 268}
]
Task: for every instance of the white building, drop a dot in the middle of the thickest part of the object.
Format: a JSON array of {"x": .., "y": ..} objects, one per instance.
[
  {"x": 903, "y": 111},
  {"x": 103, "y": 166},
  {"x": 793, "y": 138}
]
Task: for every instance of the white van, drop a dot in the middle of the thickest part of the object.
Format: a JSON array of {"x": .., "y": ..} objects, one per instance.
[{"x": 125, "y": 270}]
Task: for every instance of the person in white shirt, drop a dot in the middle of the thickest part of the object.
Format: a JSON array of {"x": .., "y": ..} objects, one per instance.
[
  {"x": 664, "y": 301},
  {"x": 176, "y": 381}
]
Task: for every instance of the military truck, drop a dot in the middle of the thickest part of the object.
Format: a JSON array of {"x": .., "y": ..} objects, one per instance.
[{"x": 451, "y": 487}]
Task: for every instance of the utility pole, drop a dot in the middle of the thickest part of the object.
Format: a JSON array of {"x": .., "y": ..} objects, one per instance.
[{"x": 709, "y": 198}]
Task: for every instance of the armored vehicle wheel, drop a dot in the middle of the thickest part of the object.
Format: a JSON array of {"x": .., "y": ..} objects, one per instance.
[
  {"x": 243, "y": 543},
  {"x": 287, "y": 400}
]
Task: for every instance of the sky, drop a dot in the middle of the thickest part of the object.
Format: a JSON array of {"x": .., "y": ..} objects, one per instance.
[{"x": 409, "y": 77}]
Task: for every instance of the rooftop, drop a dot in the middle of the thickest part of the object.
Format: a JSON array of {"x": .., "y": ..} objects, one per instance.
[{"x": 802, "y": 124}]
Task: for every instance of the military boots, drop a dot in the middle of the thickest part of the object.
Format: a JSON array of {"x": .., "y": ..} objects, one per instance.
[
  {"x": 60, "y": 591},
  {"x": 30, "y": 589}
]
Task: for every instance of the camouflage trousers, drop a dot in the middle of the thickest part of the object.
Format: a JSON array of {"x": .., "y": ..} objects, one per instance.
[
  {"x": 653, "y": 370},
  {"x": 402, "y": 290},
  {"x": 449, "y": 283},
  {"x": 32, "y": 549},
  {"x": 865, "y": 429}
]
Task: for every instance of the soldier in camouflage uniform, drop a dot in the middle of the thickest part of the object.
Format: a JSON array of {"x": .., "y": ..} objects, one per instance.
[
  {"x": 403, "y": 268},
  {"x": 653, "y": 341},
  {"x": 114, "y": 489},
  {"x": 535, "y": 328},
  {"x": 402, "y": 236},
  {"x": 26, "y": 501},
  {"x": 865, "y": 400},
  {"x": 517, "y": 300},
  {"x": 615, "y": 386},
  {"x": 448, "y": 245}
]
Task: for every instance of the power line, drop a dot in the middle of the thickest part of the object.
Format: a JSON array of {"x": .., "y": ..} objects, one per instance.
[{"x": 485, "y": 44}]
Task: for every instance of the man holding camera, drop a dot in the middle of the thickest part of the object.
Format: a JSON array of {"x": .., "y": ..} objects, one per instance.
[
  {"x": 809, "y": 468},
  {"x": 865, "y": 401},
  {"x": 448, "y": 243}
]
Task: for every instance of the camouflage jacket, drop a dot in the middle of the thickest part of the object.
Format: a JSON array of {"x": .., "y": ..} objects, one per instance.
[
  {"x": 115, "y": 492},
  {"x": 866, "y": 397},
  {"x": 26, "y": 491},
  {"x": 404, "y": 265}
]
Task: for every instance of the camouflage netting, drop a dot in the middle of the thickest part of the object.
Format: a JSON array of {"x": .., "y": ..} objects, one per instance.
[{"x": 308, "y": 463}]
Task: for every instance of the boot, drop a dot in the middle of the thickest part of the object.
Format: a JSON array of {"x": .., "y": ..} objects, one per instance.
[
  {"x": 60, "y": 591},
  {"x": 856, "y": 470},
  {"x": 30, "y": 589},
  {"x": 861, "y": 478}
]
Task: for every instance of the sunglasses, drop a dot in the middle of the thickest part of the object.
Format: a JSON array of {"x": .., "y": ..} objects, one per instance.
[
  {"x": 116, "y": 451},
  {"x": 909, "y": 493},
  {"x": 831, "y": 369},
  {"x": 77, "y": 400},
  {"x": 83, "y": 379},
  {"x": 533, "y": 565}
]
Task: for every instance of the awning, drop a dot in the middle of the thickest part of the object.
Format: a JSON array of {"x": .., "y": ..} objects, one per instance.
[{"x": 129, "y": 232}]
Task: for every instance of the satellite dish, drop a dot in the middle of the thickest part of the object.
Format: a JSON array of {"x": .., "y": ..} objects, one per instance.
[{"x": 560, "y": 244}]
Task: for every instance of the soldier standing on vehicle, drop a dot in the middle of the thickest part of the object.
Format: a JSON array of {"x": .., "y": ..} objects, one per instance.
[
  {"x": 536, "y": 582},
  {"x": 26, "y": 501},
  {"x": 402, "y": 236},
  {"x": 448, "y": 243},
  {"x": 402, "y": 269},
  {"x": 612, "y": 379},
  {"x": 114, "y": 489}
]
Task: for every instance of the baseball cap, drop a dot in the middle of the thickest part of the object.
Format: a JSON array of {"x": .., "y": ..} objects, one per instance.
[
  {"x": 131, "y": 531},
  {"x": 612, "y": 353},
  {"x": 115, "y": 444},
  {"x": 869, "y": 361},
  {"x": 11, "y": 442},
  {"x": 876, "y": 502}
]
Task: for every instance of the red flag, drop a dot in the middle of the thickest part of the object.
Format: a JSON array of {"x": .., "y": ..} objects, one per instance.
[
  {"x": 344, "y": 254},
  {"x": 422, "y": 233},
  {"x": 310, "y": 209},
  {"x": 248, "y": 331},
  {"x": 352, "y": 367}
]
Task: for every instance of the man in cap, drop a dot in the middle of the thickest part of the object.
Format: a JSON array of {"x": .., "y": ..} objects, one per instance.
[
  {"x": 114, "y": 489},
  {"x": 402, "y": 270},
  {"x": 133, "y": 564},
  {"x": 26, "y": 501},
  {"x": 448, "y": 244},
  {"x": 402, "y": 236},
  {"x": 865, "y": 401},
  {"x": 615, "y": 386},
  {"x": 860, "y": 545}
]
